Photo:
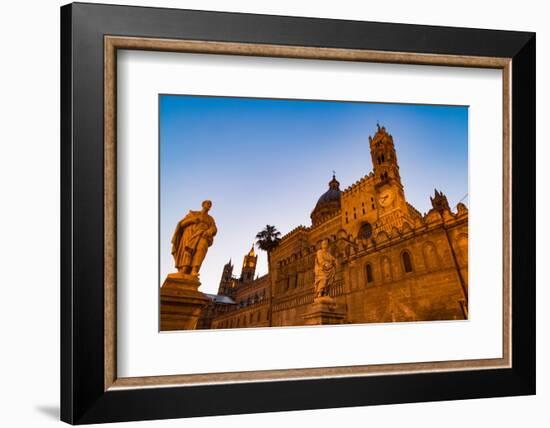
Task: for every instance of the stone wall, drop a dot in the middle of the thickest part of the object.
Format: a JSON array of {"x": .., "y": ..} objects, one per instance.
[{"x": 432, "y": 287}]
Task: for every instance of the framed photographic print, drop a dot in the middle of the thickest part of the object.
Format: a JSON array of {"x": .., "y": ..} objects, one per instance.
[{"x": 320, "y": 213}]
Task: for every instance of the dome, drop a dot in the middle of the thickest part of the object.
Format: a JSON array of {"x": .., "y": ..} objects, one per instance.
[{"x": 328, "y": 204}]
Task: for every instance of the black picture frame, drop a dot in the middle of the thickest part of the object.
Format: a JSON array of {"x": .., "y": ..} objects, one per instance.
[{"x": 83, "y": 398}]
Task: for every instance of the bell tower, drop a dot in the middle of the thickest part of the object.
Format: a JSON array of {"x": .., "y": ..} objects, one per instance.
[
  {"x": 249, "y": 266},
  {"x": 390, "y": 203},
  {"x": 226, "y": 281},
  {"x": 384, "y": 158}
]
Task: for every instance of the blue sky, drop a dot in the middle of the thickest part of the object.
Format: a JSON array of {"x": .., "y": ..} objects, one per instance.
[{"x": 267, "y": 161}]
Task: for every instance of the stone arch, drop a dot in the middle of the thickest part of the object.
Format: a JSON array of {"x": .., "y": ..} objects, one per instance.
[
  {"x": 406, "y": 228},
  {"x": 382, "y": 236},
  {"x": 369, "y": 273},
  {"x": 406, "y": 261},
  {"x": 395, "y": 232},
  {"x": 431, "y": 258}
]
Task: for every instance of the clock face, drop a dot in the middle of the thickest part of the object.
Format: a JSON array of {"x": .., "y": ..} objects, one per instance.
[{"x": 385, "y": 198}]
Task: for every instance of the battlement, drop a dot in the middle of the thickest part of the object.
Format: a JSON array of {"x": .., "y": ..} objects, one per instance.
[
  {"x": 293, "y": 232},
  {"x": 359, "y": 185},
  {"x": 413, "y": 210}
]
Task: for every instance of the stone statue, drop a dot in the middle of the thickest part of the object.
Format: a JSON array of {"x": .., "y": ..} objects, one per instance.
[
  {"x": 192, "y": 237},
  {"x": 325, "y": 268}
]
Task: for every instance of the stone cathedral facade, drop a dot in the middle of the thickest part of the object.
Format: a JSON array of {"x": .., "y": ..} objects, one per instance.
[{"x": 394, "y": 264}]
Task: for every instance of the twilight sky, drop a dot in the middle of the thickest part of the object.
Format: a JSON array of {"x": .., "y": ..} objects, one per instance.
[{"x": 267, "y": 161}]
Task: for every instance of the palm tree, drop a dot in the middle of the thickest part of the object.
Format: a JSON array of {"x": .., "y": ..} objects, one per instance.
[{"x": 267, "y": 239}]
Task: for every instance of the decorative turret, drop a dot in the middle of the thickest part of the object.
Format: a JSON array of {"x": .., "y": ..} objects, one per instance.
[
  {"x": 439, "y": 202},
  {"x": 328, "y": 204},
  {"x": 249, "y": 266},
  {"x": 384, "y": 158}
]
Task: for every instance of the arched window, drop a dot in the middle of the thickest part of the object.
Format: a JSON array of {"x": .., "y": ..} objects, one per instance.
[
  {"x": 368, "y": 272},
  {"x": 407, "y": 264},
  {"x": 382, "y": 157}
]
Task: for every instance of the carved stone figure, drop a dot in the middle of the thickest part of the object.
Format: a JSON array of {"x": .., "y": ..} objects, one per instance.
[
  {"x": 191, "y": 239},
  {"x": 325, "y": 268}
]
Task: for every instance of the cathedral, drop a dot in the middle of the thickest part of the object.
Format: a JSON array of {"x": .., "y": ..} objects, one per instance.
[{"x": 394, "y": 264}]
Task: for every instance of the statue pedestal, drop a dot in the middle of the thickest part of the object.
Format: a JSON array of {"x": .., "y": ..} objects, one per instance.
[
  {"x": 181, "y": 303},
  {"x": 324, "y": 310}
]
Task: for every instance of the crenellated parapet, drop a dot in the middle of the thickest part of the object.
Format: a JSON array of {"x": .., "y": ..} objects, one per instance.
[
  {"x": 293, "y": 232},
  {"x": 413, "y": 212},
  {"x": 360, "y": 185}
]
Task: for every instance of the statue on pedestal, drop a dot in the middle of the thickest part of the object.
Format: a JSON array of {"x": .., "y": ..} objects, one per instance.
[
  {"x": 325, "y": 269},
  {"x": 191, "y": 239},
  {"x": 324, "y": 309},
  {"x": 181, "y": 304}
]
